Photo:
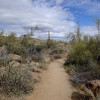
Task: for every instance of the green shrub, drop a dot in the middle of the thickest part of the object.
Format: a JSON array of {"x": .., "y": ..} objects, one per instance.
[
  {"x": 92, "y": 47},
  {"x": 51, "y": 44},
  {"x": 17, "y": 49},
  {"x": 79, "y": 54},
  {"x": 61, "y": 51},
  {"x": 3, "y": 61},
  {"x": 58, "y": 51},
  {"x": 15, "y": 81},
  {"x": 39, "y": 48},
  {"x": 27, "y": 41},
  {"x": 38, "y": 57},
  {"x": 13, "y": 44},
  {"x": 11, "y": 37},
  {"x": 2, "y": 40},
  {"x": 85, "y": 53}
]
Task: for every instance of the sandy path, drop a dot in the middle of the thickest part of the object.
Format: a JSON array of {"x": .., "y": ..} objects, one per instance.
[{"x": 55, "y": 84}]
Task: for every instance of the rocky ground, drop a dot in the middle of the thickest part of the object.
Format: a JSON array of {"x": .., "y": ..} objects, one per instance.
[{"x": 86, "y": 84}]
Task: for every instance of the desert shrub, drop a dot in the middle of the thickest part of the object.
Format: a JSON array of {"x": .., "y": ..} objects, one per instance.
[
  {"x": 3, "y": 61},
  {"x": 17, "y": 49},
  {"x": 2, "y": 40},
  {"x": 11, "y": 37},
  {"x": 61, "y": 51},
  {"x": 13, "y": 47},
  {"x": 15, "y": 81},
  {"x": 39, "y": 48},
  {"x": 26, "y": 41},
  {"x": 71, "y": 69},
  {"x": 57, "y": 56},
  {"x": 92, "y": 47},
  {"x": 85, "y": 54},
  {"x": 79, "y": 54},
  {"x": 51, "y": 43},
  {"x": 36, "y": 53},
  {"x": 57, "y": 51},
  {"x": 38, "y": 57},
  {"x": 30, "y": 42},
  {"x": 95, "y": 68}
]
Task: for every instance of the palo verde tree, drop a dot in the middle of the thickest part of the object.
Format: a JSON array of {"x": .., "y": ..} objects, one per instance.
[
  {"x": 30, "y": 32},
  {"x": 76, "y": 35}
]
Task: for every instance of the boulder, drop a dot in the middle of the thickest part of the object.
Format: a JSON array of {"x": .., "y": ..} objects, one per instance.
[
  {"x": 33, "y": 63},
  {"x": 34, "y": 68},
  {"x": 98, "y": 97},
  {"x": 30, "y": 67},
  {"x": 14, "y": 64},
  {"x": 37, "y": 64},
  {"x": 89, "y": 92},
  {"x": 24, "y": 65},
  {"x": 14, "y": 57},
  {"x": 47, "y": 59},
  {"x": 28, "y": 60},
  {"x": 93, "y": 87},
  {"x": 80, "y": 95},
  {"x": 3, "y": 51}
]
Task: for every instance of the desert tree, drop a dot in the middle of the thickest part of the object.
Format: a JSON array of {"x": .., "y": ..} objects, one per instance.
[
  {"x": 30, "y": 32},
  {"x": 75, "y": 35},
  {"x": 31, "y": 29}
]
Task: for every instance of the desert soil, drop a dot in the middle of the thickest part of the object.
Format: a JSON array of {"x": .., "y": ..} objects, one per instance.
[{"x": 55, "y": 84}]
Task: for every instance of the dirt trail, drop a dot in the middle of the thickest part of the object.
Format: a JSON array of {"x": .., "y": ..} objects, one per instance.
[{"x": 55, "y": 84}]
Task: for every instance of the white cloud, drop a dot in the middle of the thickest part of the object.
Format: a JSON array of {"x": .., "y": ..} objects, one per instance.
[
  {"x": 91, "y": 30},
  {"x": 49, "y": 17},
  {"x": 91, "y": 7},
  {"x": 59, "y": 1}
]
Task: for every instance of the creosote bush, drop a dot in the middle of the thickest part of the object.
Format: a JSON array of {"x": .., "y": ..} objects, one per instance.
[{"x": 15, "y": 81}]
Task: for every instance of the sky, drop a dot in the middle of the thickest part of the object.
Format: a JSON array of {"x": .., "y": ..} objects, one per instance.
[{"x": 57, "y": 16}]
